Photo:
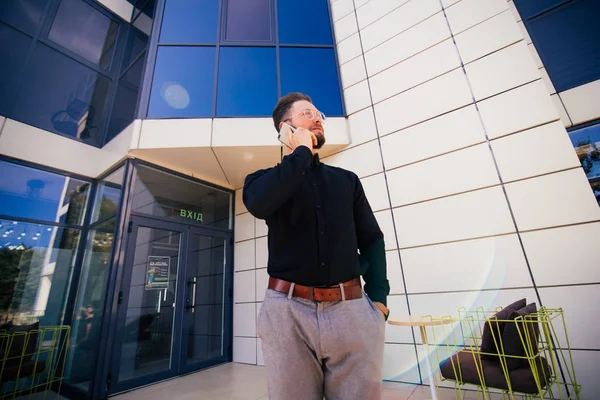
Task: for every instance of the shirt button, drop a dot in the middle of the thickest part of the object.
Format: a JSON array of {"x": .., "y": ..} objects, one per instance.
[
  {"x": 322, "y": 264},
  {"x": 318, "y": 206},
  {"x": 322, "y": 233}
]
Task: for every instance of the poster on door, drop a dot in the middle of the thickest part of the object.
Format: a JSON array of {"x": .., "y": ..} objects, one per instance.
[{"x": 157, "y": 273}]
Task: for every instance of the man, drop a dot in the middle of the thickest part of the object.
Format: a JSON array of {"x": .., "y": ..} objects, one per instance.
[{"x": 321, "y": 336}]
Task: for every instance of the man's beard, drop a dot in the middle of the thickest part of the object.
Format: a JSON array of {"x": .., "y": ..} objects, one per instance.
[{"x": 320, "y": 139}]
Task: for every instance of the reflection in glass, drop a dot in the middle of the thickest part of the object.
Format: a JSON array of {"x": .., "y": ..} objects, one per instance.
[
  {"x": 108, "y": 196},
  {"x": 36, "y": 263},
  {"x": 61, "y": 95},
  {"x": 23, "y": 14},
  {"x": 586, "y": 142},
  {"x": 144, "y": 19},
  {"x": 13, "y": 53},
  {"x": 32, "y": 193},
  {"x": 162, "y": 194},
  {"x": 85, "y": 31},
  {"x": 248, "y": 20},
  {"x": 205, "y": 313},
  {"x": 312, "y": 71},
  {"x": 247, "y": 91},
  {"x": 148, "y": 336},
  {"x": 136, "y": 43},
  {"x": 123, "y": 109},
  {"x": 89, "y": 306},
  {"x": 183, "y": 82},
  {"x": 190, "y": 21}
]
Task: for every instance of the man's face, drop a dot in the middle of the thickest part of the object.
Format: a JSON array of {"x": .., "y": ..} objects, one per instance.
[{"x": 298, "y": 119}]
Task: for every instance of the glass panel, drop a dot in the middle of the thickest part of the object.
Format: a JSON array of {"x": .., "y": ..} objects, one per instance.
[
  {"x": 136, "y": 44},
  {"x": 315, "y": 11},
  {"x": 23, "y": 14},
  {"x": 148, "y": 337},
  {"x": 586, "y": 142},
  {"x": 247, "y": 81},
  {"x": 314, "y": 72},
  {"x": 89, "y": 306},
  {"x": 190, "y": 21},
  {"x": 123, "y": 111},
  {"x": 36, "y": 194},
  {"x": 144, "y": 20},
  {"x": 162, "y": 194},
  {"x": 13, "y": 53},
  {"x": 84, "y": 30},
  {"x": 529, "y": 8},
  {"x": 248, "y": 20},
  {"x": 108, "y": 195},
  {"x": 60, "y": 95},
  {"x": 183, "y": 82},
  {"x": 570, "y": 51},
  {"x": 205, "y": 298},
  {"x": 36, "y": 263},
  {"x": 145, "y": 7}
]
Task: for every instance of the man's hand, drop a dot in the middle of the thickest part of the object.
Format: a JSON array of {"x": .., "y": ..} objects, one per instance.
[
  {"x": 303, "y": 137},
  {"x": 384, "y": 310}
]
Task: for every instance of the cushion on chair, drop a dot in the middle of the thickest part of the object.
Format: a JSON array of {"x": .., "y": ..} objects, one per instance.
[
  {"x": 521, "y": 379},
  {"x": 28, "y": 368},
  {"x": 512, "y": 341},
  {"x": 15, "y": 352},
  {"x": 488, "y": 345}
]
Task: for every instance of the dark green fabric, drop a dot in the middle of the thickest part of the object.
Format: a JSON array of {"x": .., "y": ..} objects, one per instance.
[{"x": 373, "y": 264}]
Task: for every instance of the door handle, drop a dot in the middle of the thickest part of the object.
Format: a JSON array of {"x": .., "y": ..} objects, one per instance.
[{"x": 193, "y": 305}]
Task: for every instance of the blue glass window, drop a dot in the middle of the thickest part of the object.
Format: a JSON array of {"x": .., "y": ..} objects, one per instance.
[
  {"x": 247, "y": 81},
  {"x": 36, "y": 194},
  {"x": 183, "y": 82},
  {"x": 85, "y": 31},
  {"x": 190, "y": 21},
  {"x": 61, "y": 95},
  {"x": 586, "y": 142},
  {"x": 530, "y": 8},
  {"x": 314, "y": 72},
  {"x": 136, "y": 43},
  {"x": 13, "y": 52},
  {"x": 23, "y": 14},
  {"x": 567, "y": 40},
  {"x": 248, "y": 20},
  {"x": 123, "y": 110},
  {"x": 315, "y": 27}
]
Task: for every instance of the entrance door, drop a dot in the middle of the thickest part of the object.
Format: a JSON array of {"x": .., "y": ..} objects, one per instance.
[{"x": 175, "y": 304}]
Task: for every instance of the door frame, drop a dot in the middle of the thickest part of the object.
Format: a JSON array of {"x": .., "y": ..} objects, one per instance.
[{"x": 177, "y": 361}]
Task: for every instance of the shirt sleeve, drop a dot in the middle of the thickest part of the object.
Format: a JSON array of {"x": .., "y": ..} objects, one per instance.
[
  {"x": 265, "y": 191},
  {"x": 371, "y": 246}
]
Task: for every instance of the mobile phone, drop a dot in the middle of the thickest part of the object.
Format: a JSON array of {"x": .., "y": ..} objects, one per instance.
[{"x": 285, "y": 134}]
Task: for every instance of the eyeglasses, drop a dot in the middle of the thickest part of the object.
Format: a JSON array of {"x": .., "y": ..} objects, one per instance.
[{"x": 309, "y": 113}]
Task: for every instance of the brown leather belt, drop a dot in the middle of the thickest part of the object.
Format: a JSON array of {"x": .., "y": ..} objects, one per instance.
[{"x": 352, "y": 290}]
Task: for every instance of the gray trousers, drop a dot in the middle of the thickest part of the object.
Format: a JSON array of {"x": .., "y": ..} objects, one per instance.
[{"x": 315, "y": 349}]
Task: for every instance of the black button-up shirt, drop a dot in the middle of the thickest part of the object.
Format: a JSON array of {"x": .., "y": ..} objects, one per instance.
[{"x": 318, "y": 219}]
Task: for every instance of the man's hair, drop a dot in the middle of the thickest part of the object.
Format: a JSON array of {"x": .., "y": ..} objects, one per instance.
[{"x": 284, "y": 104}]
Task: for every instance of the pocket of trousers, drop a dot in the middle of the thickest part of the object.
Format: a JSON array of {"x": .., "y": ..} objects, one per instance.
[{"x": 374, "y": 309}]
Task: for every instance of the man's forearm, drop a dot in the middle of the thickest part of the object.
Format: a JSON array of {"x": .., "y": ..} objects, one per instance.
[{"x": 376, "y": 282}]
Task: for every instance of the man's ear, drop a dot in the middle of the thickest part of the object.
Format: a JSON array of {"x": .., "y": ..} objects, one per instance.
[{"x": 280, "y": 125}]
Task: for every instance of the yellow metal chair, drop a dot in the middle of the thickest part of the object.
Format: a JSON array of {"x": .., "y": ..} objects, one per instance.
[
  {"x": 517, "y": 355},
  {"x": 32, "y": 359}
]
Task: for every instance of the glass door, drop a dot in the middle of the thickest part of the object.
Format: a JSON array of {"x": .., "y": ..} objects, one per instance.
[
  {"x": 175, "y": 307},
  {"x": 147, "y": 310},
  {"x": 207, "y": 302}
]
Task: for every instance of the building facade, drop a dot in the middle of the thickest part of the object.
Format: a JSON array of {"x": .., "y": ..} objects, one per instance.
[{"x": 127, "y": 128}]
